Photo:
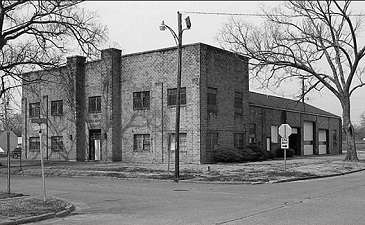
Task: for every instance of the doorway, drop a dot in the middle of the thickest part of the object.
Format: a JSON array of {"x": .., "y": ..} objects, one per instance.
[
  {"x": 294, "y": 140},
  {"x": 94, "y": 144}
]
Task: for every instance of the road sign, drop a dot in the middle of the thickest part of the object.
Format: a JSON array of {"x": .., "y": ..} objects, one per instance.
[
  {"x": 13, "y": 140},
  {"x": 284, "y": 143},
  {"x": 285, "y": 130}
]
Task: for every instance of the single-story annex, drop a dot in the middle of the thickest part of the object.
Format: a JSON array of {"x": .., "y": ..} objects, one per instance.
[{"x": 122, "y": 108}]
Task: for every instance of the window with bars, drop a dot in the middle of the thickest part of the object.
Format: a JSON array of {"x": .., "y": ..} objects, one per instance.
[
  {"x": 238, "y": 140},
  {"x": 57, "y": 143},
  {"x": 141, "y": 100},
  {"x": 238, "y": 103},
  {"x": 252, "y": 133},
  {"x": 34, "y": 144},
  {"x": 172, "y": 96},
  {"x": 141, "y": 142},
  {"x": 182, "y": 142},
  {"x": 57, "y": 108},
  {"x": 212, "y": 100},
  {"x": 34, "y": 109},
  {"x": 212, "y": 140},
  {"x": 95, "y": 104}
]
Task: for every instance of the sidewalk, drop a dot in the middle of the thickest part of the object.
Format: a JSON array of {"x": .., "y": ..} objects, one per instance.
[{"x": 271, "y": 171}]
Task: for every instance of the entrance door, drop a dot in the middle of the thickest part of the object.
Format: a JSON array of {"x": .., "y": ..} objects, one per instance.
[
  {"x": 322, "y": 141},
  {"x": 308, "y": 138},
  {"x": 294, "y": 140},
  {"x": 94, "y": 144}
]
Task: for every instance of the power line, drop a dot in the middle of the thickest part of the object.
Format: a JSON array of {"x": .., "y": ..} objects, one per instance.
[{"x": 247, "y": 14}]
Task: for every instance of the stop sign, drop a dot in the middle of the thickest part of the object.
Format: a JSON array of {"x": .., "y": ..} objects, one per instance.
[
  {"x": 285, "y": 130},
  {"x": 13, "y": 140}
]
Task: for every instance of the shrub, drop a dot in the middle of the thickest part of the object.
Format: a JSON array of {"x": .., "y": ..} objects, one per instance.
[
  {"x": 272, "y": 154},
  {"x": 228, "y": 155},
  {"x": 249, "y": 155},
  {"x": 261, "y": 153},
  {"x": 289, "y": 153}
]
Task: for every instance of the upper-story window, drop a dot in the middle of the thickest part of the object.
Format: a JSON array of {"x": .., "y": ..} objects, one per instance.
[
  {"x": 238, "y": 103},
  {"x": 34, "y": 109},
  {"x": 141, "y": 100},
  {"x": 57, "y": 108},
  {"x": 212, "y": 100},
  {"x": 95, "y": 104},
  {"x": 172, "y": 96}
]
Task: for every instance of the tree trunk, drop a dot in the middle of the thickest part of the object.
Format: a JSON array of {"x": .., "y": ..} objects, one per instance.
[{"x": 348, "y": 128}]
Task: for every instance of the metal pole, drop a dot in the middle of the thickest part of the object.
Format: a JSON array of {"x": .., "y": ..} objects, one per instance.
[
  {"x": 178, "y": 99},
  {"x": 40, "y": 149},
  {"x": 8, "y": 150}
]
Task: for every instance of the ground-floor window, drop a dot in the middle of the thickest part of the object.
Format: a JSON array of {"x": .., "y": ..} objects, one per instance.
[
  {"x": 252, "y": 133},
  {"x": 34, "y": 144},
  {"x": 182, "y": 143},
  {"x": 57, "y": 143},
  {"x": 238, "y": 140},
  {"x": 212, "y": 140},
  {"x": 141, "y": 142}
]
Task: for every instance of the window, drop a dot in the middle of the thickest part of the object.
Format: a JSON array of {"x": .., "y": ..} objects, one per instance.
[
  {"x": 56, "y": 108},
  {"x": 34, "y": 144},
  {"x": 274, "y": 134},
  {"x": 238, "y": 140},
  {"x": 182, "y": 143},
  {"x": 34, "y": 109},
  {"x": 252, "y": 133},
  {"x": 141, "y": 100},
  {"x": 95, "y": 104},
  {"x": 56, "y": 143},
  {"x": 238, "y": 103},
  {"x": 212, "y": 100},
  {"x": 212, "y": 141},
  {"x": 141, "y": 142},
  {"x": 172, "y": 96},
  {"x": 334, "y": 137}
]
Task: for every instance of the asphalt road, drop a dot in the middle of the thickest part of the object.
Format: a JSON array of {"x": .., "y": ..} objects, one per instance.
[{"x": 336, "y": 200}]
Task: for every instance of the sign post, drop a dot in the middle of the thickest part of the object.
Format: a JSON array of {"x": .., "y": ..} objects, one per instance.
[
  {"x": 8, "y": 141},
  {"x": 284, "y": 132},
  {"x": 40, "y": 121}
]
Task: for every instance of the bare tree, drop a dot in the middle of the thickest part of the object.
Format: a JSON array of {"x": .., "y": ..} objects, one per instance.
[
  {"x": 37, "y": 35},
  {"x": 318, "y": 41}
]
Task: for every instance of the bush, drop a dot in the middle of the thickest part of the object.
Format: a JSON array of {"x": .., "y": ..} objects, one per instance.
[
  {"x": 261, "y": 153},
  {"x": 228, "y": 155},
  {"x": 272, "y": 154},
  {"x": 231, "y": 155},
  {"x": 289, "y": 153}
]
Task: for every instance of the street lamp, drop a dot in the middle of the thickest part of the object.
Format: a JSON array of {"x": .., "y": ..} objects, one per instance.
[{"x": 178, "y": 41}]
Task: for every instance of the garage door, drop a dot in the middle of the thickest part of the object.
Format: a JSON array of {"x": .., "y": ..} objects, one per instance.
[
  {"x": 308, "y": 138},
  {"x": 322, "y": 141}
]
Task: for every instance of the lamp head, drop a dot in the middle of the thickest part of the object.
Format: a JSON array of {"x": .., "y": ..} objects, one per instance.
[
  {"x": 162, "y": 26},
  {"x": 188, "y": 23}
]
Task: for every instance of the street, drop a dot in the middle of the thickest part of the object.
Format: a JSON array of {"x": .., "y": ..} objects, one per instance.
[{"x": 336, "y": 200}]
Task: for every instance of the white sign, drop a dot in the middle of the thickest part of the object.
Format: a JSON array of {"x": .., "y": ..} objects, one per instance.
[
  {"x": 13, "y": 140},
  {"x": 285, "y": 143},
  {"x": 285, "y": 130}
]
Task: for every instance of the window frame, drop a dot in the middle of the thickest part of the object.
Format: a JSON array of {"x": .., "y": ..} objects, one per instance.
[
  {"x": 94, "y": 101},
  {"x": 34, "y": 144},
  {"x": 57, "y": 108},
  {"x": 34, "y": 110},
  {"x": 141, "y": 100},
  {"x": 238, "y": 103},
  {"x": 212, "y": 140},
  {"x": 172, "y": 96},
  {"x": 239, "y": 140},
  {"x": 145, "y": 141},
  {"x": 57, "y": 144},
  {"x": 212, "y": 94},
  {"x": 182, "y": 142}
]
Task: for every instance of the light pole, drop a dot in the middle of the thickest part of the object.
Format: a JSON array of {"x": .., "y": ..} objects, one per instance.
[{"x": 178, "y": 41}]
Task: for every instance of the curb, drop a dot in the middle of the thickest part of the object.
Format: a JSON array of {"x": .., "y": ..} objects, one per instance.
[
  {"x": 68, "y": 209},
  {"x": 315, "y": 177}
]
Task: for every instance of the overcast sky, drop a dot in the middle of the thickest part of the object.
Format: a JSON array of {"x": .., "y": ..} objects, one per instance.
[{"x": 133, "y": 27}]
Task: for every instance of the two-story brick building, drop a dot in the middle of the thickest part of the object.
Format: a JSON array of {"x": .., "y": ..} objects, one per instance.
[{"x": 122, "y": 108}]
